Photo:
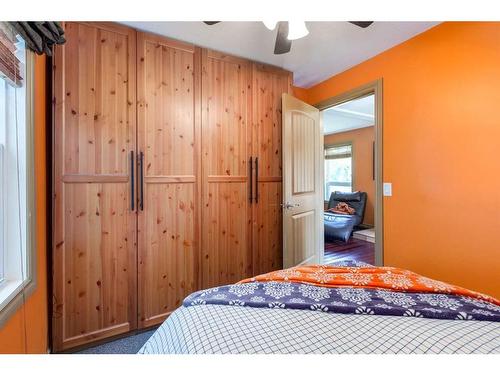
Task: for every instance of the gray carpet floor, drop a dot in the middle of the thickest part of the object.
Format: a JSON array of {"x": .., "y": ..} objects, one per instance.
[{"x": 126, "y": 345}]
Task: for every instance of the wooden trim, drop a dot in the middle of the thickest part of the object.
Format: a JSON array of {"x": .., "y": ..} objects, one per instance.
[
  {"x": 356, "y": 93},
  {"x": 56, "y": 204},
  {"x": 92, "y": 344},
  {"x": 198, "y": 162},
  {"x": 169, "y": 179},
  {"x": 211, "y": 54},
  {"x": 379, "y": 173},
  {"x": 270, "y": 179},
  {"x": 203, "y": 191},
  {"x": 215, "y": 178},
  {"x": 101, "y": 334},
  {"x": 155, "y": 320},
  {"x": 266, "y": 68},
  {"x": 111, "y": 27},
  {"x": 171, "y": 43},
  {"x": 132, "y": 111},
  {"x": 102, "y": 178},
  {"x": 376, "y": 88}
]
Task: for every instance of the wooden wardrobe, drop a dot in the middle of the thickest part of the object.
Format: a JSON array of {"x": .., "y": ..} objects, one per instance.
[{"x": 167, "y": 177}]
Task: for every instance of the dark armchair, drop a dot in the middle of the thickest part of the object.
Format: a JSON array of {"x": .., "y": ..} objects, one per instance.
[{"x": 339, "y": 226}]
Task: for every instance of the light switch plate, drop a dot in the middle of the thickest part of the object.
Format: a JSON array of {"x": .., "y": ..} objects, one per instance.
[{"x": 387, "y": 189}]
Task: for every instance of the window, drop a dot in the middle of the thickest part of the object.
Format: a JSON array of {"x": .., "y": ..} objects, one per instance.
[
  {"x": 16, "y": 172},
  {"x": 338, "y": 169}
]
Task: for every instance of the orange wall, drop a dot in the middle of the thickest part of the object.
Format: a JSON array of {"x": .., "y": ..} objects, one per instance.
[
  {"x": 362, "y": 148},
  {"x": 441, "y": 150},
  {"x": 300, "y": 93},
  {"x": 34, "y": 312}
]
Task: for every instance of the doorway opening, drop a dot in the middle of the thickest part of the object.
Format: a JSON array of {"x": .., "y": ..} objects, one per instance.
[{"x": 352, "y": 179}]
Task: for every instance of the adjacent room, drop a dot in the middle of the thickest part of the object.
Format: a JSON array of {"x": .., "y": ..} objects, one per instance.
[
  {"x": 230, "y": 187},
  {"x": 349, "y": 142}
]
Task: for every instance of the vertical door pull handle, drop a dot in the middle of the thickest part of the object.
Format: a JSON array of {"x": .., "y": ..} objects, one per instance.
[
  {"x": 256, "y": 180},
  {"x": 141, "y": 180},
  {"x": 250, "y": 163},
  {"x": 132, "y": 181}
]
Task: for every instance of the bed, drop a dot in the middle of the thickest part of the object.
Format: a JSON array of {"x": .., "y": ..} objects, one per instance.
[{"x": 317, "y": 309}]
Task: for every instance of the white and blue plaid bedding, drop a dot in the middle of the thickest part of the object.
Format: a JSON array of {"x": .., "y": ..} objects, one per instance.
[
  {"x": 207, "y": 329},
  {"x": 283, "y": 317}
]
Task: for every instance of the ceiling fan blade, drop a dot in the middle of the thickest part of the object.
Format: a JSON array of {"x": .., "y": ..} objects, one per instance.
[
  {"x": 210, "y": 23},
  {"x": 363, "y": 24},
  {"x": 282, "y": 45}
]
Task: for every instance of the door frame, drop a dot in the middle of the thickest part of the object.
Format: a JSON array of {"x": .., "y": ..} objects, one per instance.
[{"x": 376, "y": 88}]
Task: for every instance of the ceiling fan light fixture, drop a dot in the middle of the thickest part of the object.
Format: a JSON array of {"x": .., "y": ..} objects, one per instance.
[
  {"x": 271, "y": 25},
  {"x": 297, "y": 30}
]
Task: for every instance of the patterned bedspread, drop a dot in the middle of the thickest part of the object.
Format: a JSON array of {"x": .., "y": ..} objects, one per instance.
[
  {"x": 296, "y": 317},
  {"x": 288, "y": 295}
]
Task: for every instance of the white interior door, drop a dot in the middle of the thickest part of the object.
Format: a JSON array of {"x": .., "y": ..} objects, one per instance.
[{"x": 302, "y": 183}]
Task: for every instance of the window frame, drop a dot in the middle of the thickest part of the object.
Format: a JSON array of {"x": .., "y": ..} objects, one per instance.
[
  {"x": 14, "y": 293},
  {"x": 2, "y": 216},
  {"x": 339, "y": 144}
]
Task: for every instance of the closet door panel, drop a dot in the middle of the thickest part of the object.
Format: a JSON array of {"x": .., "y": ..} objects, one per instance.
[
  {"x": 95, "y": 230},
  {"x": 226, "y": 127},
  {"x": 227, "y": 259},
  {"x": 268, "y": 228},
  {"x": 168, "y": 135},
  {"x": 167, "y": 272},
  {"x": 96, "y": 264},
  {"x": 268, "y": 85}
]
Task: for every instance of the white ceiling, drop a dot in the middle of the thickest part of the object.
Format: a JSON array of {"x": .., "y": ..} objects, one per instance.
[
  {"x": 330, "y": 47},
  {"x": 354, "y": 114}
]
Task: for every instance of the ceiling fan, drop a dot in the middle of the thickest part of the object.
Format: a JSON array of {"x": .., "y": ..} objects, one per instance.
[{"x": 291, "y": 31}]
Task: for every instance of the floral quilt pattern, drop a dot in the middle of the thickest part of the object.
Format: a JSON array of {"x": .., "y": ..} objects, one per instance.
[{"x": 350, "y": 300}]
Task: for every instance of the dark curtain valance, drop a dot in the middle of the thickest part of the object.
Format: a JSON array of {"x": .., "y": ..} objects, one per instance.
[{"x": 40, "y": 36}]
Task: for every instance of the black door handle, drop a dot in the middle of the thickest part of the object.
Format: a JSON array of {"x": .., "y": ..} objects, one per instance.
[
  {"x": 256, "y": 180},
  {"x": 250, "y": 163},
  {"x": 132, "y": 181},
  {"x": 141, "y": 180}
]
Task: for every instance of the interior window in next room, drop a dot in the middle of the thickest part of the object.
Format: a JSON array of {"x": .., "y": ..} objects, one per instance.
[{"x": 338, "y": 169}]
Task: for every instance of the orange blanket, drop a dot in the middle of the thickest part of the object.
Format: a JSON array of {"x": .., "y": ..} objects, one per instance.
[
  {"x": 343, "y": 208},
  {"x": 395, "y": 279}
]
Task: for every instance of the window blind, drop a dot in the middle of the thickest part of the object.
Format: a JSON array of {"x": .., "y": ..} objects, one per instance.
[
  {"x": 10, "y": 65},
  {"x": 338, "y": 152}
]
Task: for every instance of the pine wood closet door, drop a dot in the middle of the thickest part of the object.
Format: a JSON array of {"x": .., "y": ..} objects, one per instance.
[
  {"x": 226, "y": 146},
  {"x": 269, "y": 83},
  {"x": 168, "y": 134},
  {"x": 94, "y": 251}
]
